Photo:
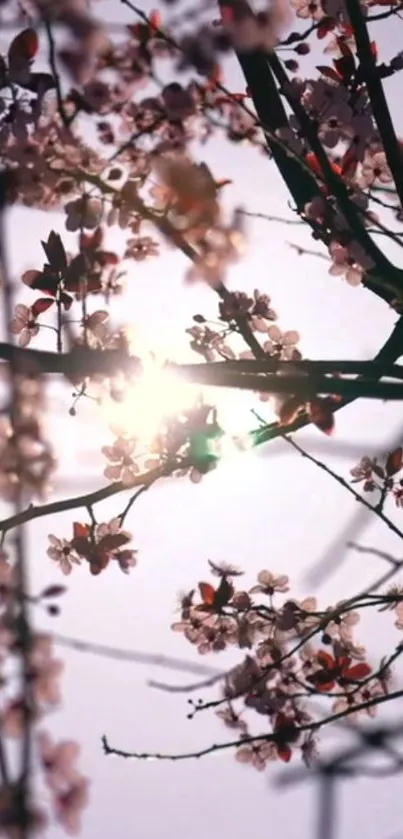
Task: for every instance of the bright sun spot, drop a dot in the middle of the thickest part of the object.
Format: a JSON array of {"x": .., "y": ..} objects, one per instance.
[
  {"x": 156, "y": 395},
  {"x": 160, "y": 393}
]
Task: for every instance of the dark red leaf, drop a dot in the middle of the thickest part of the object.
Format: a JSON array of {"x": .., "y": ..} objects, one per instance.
[
  {"x": 326, "y": 25},
  {"x": 329, "y": 72},
  {"x": 54, "y": 250},
  {"x": 321, "y": 414},
  {"x": 290, "y": 410},
  {"x": 41, "y": 305},
  {"x": 24, "y": 46},
  {"x": 349, "y": 161},
  {"x": 394, "y": 461},
  {"x": 207, "y": 593},
  {"x": 358, "y": 671},
  {"x": 107, "y": 258},
  {"x": 80, "y": 530},
  {"x": 53, "y": 591},
  {"x": 345, "y": 66},
  {"x": 223, "y": 594},
  {"x": 378, "y": 470},
  {"x": 284, "y": 753},
  {"x": 325, "y": 659},
  {"x": 112, "y": 541},
  {"x": 82, "y": 545}
]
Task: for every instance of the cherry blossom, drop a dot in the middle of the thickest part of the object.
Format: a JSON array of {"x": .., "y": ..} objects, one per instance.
[
  {"x": 375, "y": 169},
  {"x": 256, "y": 754},
  {"x": 269, "y": 583},
  {"x": 282, "y": 344},
  {"x": 123, "y": 466},
  {"x": 24, "y": 324},
  {"x": 61, "y": 551}
]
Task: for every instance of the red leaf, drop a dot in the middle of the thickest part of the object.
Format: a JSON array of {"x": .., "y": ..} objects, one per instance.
[
  {"x": 349, "y": 161},
  {"x": 345, "y": 66},
  {"x": 284, "y": 753},
  {"x": 394, "y": 461},
  {"x": 321, "y": 414},
  {"x": 207, "y": 593},
  {"x": 53, "y": 591},
  {"x": 41, "y": 305},
  {"x": 290, "y": 410},
  {"x": 325, "y": 659},
  {"x": 329, "y": 73},
  {"x": 326, "y": 25},
  {"x": 24, "y": 46},
  {"x": 81, "y": 545},
  {"x": 54, "y": 250},
  {"x": 358, "y": 671},
  {"x": 112, "y": 541},
  {"x": 81, "y": 531}
]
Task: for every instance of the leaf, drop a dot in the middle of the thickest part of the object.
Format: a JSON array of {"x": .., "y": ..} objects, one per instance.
[
  {"x": 326, "y": 25},
  {"x": 54, "y": 250},
  {"x": 41, "y": 305},
  {"x": 39, "y": 83},
  {"x": 349, "y": 161},
  {"x": 207, "y": 593},
  {"x": 345, "y": 66},
  {"x": 378, "y": 470},
  {"x": 329, "y": 73},
  {"x": 80, "y": 531},
  {"x": 82, "y": 546},
  {"x": 24, "y": 47},
  {"x": 112, "y": 541},
  {"x": 284, "y": 753},
  {"x": 53, "y": 591},
  {"x": 290, "y": 410},
  {"x": 358, "y": 671},
  {"x": 394, "y": 461},
  {"x": 321, "y": 414}
]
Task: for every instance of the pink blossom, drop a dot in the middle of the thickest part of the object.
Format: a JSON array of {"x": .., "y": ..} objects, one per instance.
[
  {"x": 257, "y": 755},
  {"x": 269, "y": 583},
  {"x": 123, "y": 466},
  {"x": 71, "y": 803},
  {"x": 62, "y": 552},
  {"x": 282, "y": 344},
  {"x": 58, "y": 760},
  {"x": 24, "y": 324}
]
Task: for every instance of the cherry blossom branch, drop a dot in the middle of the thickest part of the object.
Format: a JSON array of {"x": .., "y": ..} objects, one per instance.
[
  {"x": 90, "y": 498},
  {"x": 301, "y": 181},
  {"x": 261, "y": 738},
  {"x": 340, "y": 480},
  {"x": 376, "y": 94},
  {"x": 335, "y": 183},
  {"x": 84, "y": 361}
]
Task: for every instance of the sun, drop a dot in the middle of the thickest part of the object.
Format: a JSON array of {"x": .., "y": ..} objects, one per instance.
[
  {"x": 159, "y": 393},
  {"x": 153, "y": 397}
]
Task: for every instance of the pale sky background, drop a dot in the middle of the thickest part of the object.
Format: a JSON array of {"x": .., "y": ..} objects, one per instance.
[{"x": 267, "y": 509}]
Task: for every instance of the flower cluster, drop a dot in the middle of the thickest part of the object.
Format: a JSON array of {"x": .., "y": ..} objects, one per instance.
[
  {"x": 97, "y": 544},
  {"x": 381, "y": 477},
  {"x": 296, "y": 652}
]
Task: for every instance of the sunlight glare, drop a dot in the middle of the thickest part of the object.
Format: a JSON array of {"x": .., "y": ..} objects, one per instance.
[{"x": 151, "y": 399}]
